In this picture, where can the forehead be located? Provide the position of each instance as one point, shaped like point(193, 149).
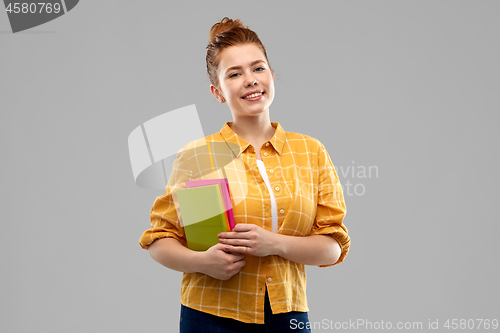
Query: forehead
point(240, 55)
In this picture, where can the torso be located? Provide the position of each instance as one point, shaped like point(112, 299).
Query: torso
point(257, 145)
point(257, 154)
point(257, 150)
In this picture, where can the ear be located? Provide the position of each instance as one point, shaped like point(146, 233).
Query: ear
point(217, 93)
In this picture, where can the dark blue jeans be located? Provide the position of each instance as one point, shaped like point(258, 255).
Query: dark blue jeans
point(194, 321)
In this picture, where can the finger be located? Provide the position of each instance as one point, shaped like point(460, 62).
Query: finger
point(228, 250)
point(238, 250)
point(220, 246)
point(236, 256)
point(242, 227)
point(237, 266)
point(240, 264)
point(236, 242)
point(239, 257)
point(232, 235)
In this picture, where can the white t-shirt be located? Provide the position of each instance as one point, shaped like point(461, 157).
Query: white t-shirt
point(274, 209)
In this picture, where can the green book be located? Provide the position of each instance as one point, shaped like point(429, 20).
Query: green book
point(202, 213)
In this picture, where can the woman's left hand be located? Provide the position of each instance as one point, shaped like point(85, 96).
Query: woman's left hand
point(251, 239)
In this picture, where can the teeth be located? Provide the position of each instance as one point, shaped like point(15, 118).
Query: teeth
point(253, 95)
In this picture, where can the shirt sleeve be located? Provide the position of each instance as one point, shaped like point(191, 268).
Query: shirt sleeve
point(331, 208)
point(164, 213)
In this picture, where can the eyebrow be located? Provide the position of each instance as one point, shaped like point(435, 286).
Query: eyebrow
point(238, 67)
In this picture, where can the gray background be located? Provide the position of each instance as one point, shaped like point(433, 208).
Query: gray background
point(410, 87)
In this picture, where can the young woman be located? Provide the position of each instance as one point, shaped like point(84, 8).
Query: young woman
point(291, 214)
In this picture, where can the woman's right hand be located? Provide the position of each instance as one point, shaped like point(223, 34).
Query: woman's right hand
point(220, 264)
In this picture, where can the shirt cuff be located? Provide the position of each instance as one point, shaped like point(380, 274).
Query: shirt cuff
point(149, 237)
point(341, 237)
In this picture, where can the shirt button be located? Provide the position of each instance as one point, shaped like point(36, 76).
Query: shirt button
point(267, 144)
point(271, 171)
point(265, 154)
point(270, 280)
point(282, 211)
point(277, 188)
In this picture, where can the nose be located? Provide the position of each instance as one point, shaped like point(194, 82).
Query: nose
point(251, 81)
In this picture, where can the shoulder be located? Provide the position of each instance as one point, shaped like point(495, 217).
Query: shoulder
point(298, 140)
point(199, 145)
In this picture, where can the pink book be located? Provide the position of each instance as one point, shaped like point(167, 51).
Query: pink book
point(224, 184)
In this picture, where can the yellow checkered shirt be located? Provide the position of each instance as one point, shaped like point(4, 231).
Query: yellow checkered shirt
point(309, 200)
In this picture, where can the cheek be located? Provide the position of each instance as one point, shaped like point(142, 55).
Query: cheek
point(231, 91)
point(270, 84)
point(268, 81)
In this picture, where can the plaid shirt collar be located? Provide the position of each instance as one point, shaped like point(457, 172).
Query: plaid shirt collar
point(277, 141)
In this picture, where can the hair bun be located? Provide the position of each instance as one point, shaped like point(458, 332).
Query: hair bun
point(224, 34)
point(224, 25)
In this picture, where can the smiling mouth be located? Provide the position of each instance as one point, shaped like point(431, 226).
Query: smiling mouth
point(253, 95)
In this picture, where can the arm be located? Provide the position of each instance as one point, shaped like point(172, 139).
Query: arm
point(331, 208)
point(254, 240)
point(214, 262)
point(310, 250)
point(166, 241)
point(328, 243)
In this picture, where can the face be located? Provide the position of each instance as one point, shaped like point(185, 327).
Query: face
point(243, 69)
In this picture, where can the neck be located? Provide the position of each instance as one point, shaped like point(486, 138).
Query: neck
point(253, 129)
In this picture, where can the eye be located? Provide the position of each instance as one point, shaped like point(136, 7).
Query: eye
point(260, 69)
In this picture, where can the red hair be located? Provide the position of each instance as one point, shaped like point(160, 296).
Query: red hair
point(224, 34)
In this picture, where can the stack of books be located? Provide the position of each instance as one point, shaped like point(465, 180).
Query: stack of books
point(206, 211)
